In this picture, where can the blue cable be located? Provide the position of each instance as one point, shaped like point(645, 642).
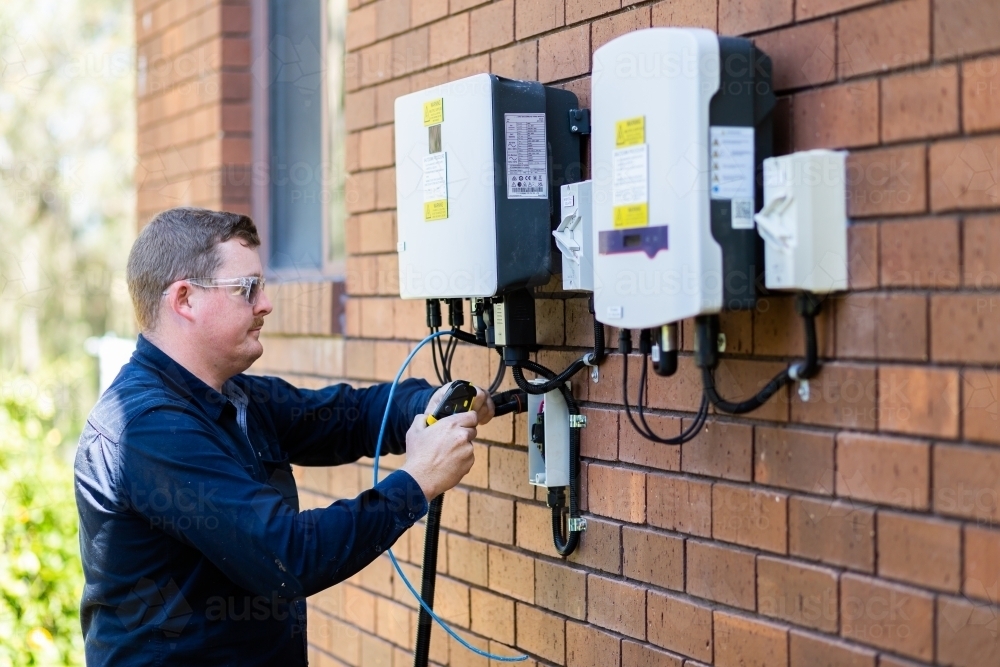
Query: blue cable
point(392, 557)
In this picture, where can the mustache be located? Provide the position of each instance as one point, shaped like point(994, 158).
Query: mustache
point(258, 322)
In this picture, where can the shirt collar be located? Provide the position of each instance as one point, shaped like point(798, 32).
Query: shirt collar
point(180, 379)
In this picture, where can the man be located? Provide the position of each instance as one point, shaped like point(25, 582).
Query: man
point(194, 549)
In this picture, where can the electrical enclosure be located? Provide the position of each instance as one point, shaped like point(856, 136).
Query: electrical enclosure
point(804, 222)
point(479, 162)
point(574, 237)
point(681, 121)
point(552, 468)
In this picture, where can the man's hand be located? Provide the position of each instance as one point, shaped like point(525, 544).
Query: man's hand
point(482, 404)
point(439, 456)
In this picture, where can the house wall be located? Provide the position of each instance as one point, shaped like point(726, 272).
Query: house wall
point(858, 528)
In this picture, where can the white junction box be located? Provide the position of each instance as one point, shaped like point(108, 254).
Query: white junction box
point(476, 160)
point(804, 221)
point(551, 468)
point(574, 236)
point(676, 142)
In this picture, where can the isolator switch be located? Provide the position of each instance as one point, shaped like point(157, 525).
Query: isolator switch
point(548, 455)
point(804, 222)
point(574, 237)
point(479, 163)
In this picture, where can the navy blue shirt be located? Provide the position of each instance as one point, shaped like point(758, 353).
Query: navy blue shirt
point(194, 548)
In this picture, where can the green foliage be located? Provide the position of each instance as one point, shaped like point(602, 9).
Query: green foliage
point(41, 580)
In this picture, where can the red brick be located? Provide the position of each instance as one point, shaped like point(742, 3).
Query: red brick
point(600, 546)
point(589, 647)
point(887, 616)
point(919, 400)
point(980, 93)
point(920, 253)
point(392, 621)
point(679, 624)
point(541, 633)
point(564, 54)
point(746, 642)
point(516, 62)
point(919, 551)
point(359, 608)
point(491, 517)
point(492, 616)
point(561, 589)
point(374, 651)
point(778, 330)
point(980, 400)
point(965, 327)
point(901, 330)
point(512, 574)
point(461, 5)
point(807, 650)
point(635, 654)
point(738, 18)
point(807, 9)
point(535, 16)
point(509, 472)
point(449, 39)
point(359, 192)
point(410, 51)
point(392, 17)
point(967, 483)
point(720, 450)
point(680, 392)
point(885, 37)
point(633, 448)
point(653, 558)
point(892, 471)
point(680, 504)
point(377, 148)
point(803, 55)
point(841, 116)
point(920, 104)
point(981, 252)
point(964, 27)
point(841, 395)
point(982, 567)
point(801, 594)
point(604, 30)
point(578, 10)
point(599, 440)
point(892, 661)
point(492, 26)
point(617, 493)
point(738, 379)
point(887, 181)
point(425, 11)
point(964, 173)
point(360, 28)
point(862, 256)
point(467, 559)
point(616, 606)
point(832, 532)
point(721, 574)
point(750, 517)
point(966, 633)
point(671, 13)
point(794, 459)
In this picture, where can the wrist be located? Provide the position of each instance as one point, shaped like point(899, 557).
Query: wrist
point(423, 480)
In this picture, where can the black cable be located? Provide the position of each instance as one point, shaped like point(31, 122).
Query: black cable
point(434, 355)
point(647, 432)
point(498, 378)
point(428, 580)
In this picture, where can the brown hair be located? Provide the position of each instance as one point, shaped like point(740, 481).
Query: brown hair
point(179, 243)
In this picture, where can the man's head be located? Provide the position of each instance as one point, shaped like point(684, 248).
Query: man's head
point(173, 264)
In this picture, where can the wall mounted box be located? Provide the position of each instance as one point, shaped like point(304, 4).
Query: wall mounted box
point(681, 121)
point(574, 236)
point(479, 162)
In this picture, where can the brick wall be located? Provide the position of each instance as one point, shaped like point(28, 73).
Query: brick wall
point(857, 528)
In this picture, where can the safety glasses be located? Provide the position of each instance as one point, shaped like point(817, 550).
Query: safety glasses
point(249, 287)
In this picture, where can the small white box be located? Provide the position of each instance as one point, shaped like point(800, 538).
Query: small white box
point(804, 222)
point(574, 237)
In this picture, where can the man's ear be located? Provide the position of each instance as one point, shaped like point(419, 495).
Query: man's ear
point(179, 301)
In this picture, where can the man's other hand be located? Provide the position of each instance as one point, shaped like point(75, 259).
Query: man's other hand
point(482, 404)
point(439, 456)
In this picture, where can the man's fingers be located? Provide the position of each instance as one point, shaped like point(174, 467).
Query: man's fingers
point(463, 419)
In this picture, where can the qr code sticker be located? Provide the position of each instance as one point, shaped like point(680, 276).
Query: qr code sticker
point(742, 214)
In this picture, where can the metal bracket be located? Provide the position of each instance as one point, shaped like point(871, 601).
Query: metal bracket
point(577, 524)
point(577, 421)
point(579, 121)
point(721, 342)
point(804, 390)
point(595, 374)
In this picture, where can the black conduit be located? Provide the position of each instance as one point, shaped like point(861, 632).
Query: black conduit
point(428, 580)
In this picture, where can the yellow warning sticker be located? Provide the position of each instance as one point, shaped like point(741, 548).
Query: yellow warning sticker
point(434, 112)
point(631, 215)
point(629, 132)
point(435, 210)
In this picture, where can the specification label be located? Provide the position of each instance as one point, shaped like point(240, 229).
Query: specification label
point(731, 154)
point(527, 171)
point(436, 186)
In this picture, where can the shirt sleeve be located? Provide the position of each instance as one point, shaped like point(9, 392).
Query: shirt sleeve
point(337, 424)
point(179, 477)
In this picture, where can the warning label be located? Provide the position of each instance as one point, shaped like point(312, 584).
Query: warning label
point(630, 186)
point(731, 154)
point(527, 171)
point(436, 186)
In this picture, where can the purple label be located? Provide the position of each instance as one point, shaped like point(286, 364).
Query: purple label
point(649, 240)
